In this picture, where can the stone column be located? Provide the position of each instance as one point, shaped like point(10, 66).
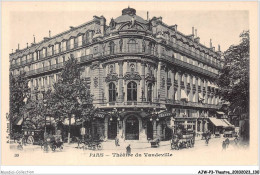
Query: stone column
point(206, 88)
point(143, 81)
point(196, 126)
point(206, 126)
point(201, 126)
point(197, 89)
point(185, 83)
point(159, 130)
point(158, 79)
point(155, 86)
point(179, 86)
point(154, 129)
point(172, 87)
point(191, 92)
point(120, 82)
point(106, 128)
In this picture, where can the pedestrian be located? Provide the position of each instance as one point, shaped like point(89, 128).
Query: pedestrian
point(227, 142)
point(207, 140)
point(223, 145)
point(117, 141)
point(128, 149)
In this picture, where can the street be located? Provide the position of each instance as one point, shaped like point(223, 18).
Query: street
point(72, 155)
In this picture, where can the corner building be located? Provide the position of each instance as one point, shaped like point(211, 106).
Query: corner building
point(151, 74)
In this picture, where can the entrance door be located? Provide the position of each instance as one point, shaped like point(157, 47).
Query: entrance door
point(132, 128)
point(168, 133)
point(112, 129)
point(149, 130)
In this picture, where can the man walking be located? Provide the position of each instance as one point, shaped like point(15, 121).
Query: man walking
point(117, 141)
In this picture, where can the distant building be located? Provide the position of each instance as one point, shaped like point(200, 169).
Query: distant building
point(148, 71)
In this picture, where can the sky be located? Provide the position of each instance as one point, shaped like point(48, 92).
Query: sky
point(222, 26)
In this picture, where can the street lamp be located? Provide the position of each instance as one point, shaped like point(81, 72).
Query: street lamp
point(45, 109)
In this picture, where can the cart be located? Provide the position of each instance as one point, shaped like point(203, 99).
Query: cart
point(217, 134)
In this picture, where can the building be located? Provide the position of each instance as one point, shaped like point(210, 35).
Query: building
point(146, 71)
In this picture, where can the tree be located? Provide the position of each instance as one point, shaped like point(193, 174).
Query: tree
point(234, 77)
point(19, 91)
point(70, 93)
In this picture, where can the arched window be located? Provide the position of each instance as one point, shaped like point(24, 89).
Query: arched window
point(149, 92)
point(150, 48)
point(112, 92)
point(132, 46)
point(111, 47)
point(132, 91)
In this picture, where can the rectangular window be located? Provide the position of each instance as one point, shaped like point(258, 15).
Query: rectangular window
point(76, 42)
point(80, 40)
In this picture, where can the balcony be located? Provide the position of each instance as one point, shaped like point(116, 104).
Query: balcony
point(192, 104)
point(45, 69)
point(198, 57)
point(129, 104)
point(128, 51)
point(189, 66)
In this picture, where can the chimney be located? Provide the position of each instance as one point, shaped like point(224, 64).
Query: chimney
point(49, 33)
point(196, 33)
point(33, 39)
point(27, 45)
point(219, 48)
point(193, 31)
point(210, 43)
point(18, 46)
point(147, 15)
point(197, 39)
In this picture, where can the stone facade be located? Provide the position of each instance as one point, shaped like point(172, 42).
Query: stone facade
point(141, 68)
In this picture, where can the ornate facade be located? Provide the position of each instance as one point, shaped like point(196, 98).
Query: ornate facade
point(151, 74)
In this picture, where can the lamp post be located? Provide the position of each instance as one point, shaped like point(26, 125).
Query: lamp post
point(45, 109)
point(154, 118)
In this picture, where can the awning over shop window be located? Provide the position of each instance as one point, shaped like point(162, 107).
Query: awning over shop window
point(184, 95)
point(229, 124)
point(220, 112)
point(218, 122)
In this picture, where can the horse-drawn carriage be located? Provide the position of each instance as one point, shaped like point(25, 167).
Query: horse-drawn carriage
point(183, 138)
point(206, 135)
point(92, 145)
point(155, 143)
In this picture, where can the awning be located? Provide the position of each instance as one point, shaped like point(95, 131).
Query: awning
point(220, 112)
point(227, 122)
point(218, 122)
point(183, 95)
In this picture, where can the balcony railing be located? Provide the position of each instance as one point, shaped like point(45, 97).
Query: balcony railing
point(189, 66)
point(44, 69)
point(133, 50)
point(130, 104)
point(193, 53)
point(192, 104)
